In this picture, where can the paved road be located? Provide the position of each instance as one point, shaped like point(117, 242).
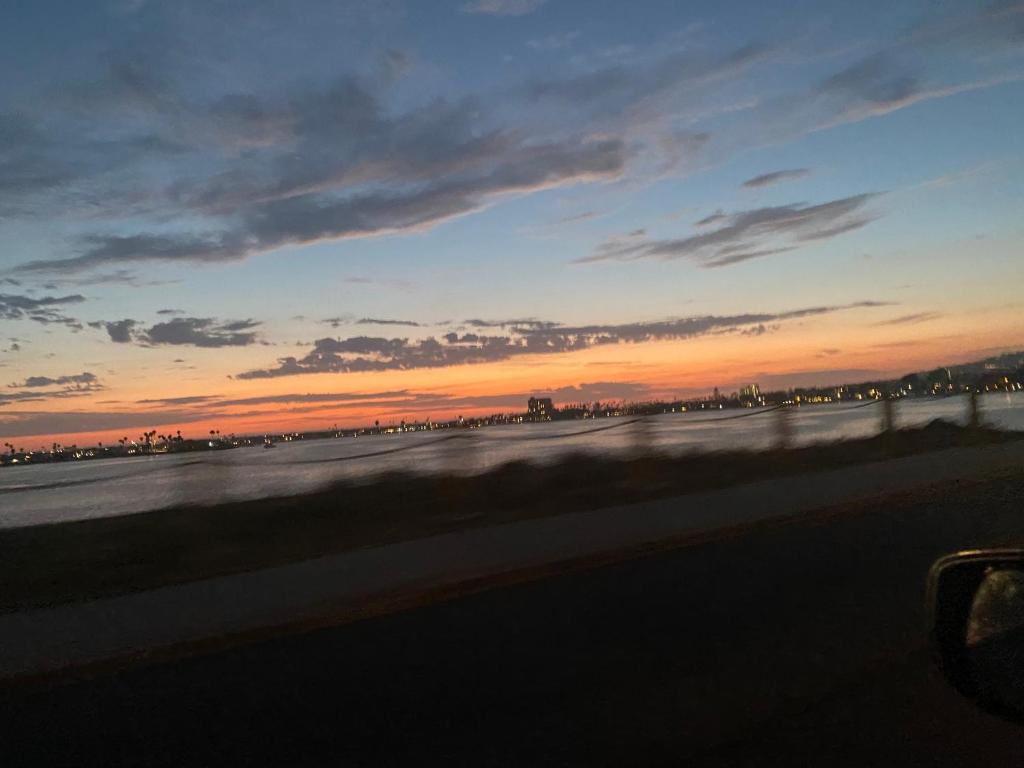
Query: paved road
point(801, 644)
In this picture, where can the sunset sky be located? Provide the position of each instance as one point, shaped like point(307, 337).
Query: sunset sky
point(263, 215)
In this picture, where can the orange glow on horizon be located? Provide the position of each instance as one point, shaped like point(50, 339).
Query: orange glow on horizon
point(660, 369)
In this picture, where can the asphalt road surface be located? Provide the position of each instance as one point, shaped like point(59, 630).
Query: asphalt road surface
point(802, 644)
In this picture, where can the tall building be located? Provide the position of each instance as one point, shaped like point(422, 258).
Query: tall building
point(540, 408)
point(752, 391)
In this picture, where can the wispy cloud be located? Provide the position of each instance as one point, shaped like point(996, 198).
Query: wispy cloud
point(747, 234)
point(45, 310)
point(775, 177)
point(366, 353)
point(42, 388)
point(258, 170)
point(912, 319)
point(49, 381)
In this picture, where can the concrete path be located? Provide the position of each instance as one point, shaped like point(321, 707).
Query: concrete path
point(47, 641)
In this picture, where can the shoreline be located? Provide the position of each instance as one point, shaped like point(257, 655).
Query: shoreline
point(58, 563)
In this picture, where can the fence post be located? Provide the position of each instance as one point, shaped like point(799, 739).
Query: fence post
point(641, 434)
point(973, 410)
point(783, 428)
point(888, 415)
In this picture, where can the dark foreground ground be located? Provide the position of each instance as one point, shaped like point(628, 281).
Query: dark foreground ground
point(795, 645)
point(67, 562)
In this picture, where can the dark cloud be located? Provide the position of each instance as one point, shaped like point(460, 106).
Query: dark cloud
point(747, 234)
point(338, 320)
point(768, 179)
point(183, 331)
point(378, 321)
point(41, 388)
point(47, 381)
point(626, 86)
point(200, 332)
point(44, 310)
point(218, 175)
point(309, 217)
point(713, 218)
point(875, 86)
point(120, 331)
point(875, 79)
point(170, 312)
point(364, 353)
point(503, 7)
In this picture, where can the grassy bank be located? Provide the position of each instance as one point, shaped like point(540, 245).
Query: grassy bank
point(51, 564)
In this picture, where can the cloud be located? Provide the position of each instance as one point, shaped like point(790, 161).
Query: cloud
point(170, 312)
point(877, 85)
point(46, 381)
point(183, 331)
point(366, 353)
point(117, 277)
point(379, 321)
point(201, 332)
point(768, 179)
point(44, 310)
point(41, 388)
point(503, 7)
point(747, 234)
point(306, 218)
point(680, 71)
point(120, 331)
point(913, 319)
point(338, 320)
point(15, 307)
point(213, 171)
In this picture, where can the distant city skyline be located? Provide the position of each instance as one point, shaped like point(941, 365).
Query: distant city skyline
point(234, 216)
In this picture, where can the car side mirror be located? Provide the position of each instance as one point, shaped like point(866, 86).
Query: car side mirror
point(976, 615)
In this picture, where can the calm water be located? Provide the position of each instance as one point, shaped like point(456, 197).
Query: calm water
point(55, 492)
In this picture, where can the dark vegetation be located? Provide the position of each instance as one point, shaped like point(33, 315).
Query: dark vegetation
point(51, 564)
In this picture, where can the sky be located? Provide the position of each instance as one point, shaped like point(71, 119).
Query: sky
point(260, 216)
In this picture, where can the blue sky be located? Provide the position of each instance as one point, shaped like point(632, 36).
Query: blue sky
point(236, 185)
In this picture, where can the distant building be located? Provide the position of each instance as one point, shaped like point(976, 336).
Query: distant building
point(750, 396)
point(540, 408)
point(753, 392)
